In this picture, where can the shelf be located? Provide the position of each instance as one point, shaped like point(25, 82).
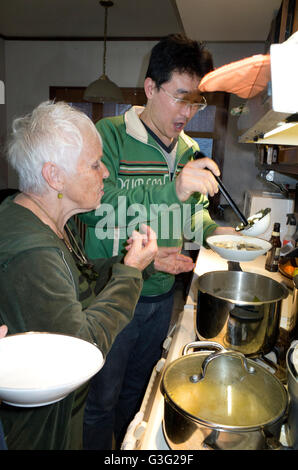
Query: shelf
point(289, 168)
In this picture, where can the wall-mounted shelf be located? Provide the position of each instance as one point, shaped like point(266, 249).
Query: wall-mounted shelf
point(289, 168)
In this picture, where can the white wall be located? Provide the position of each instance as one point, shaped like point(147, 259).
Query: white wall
point(33, 66)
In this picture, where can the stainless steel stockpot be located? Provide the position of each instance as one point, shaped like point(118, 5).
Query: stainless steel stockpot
point(221, 400)
point(239, 310)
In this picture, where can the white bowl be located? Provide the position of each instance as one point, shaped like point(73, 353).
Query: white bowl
point(235, 254)
point(41, 368)
point(259, 227)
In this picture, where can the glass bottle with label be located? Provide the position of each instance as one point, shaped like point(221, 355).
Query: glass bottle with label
point(272, 259)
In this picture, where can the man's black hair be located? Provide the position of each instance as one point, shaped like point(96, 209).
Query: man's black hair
point(177, 53)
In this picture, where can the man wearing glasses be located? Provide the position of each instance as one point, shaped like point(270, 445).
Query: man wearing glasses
point(149, 159)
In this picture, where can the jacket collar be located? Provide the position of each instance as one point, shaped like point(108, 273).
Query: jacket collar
point(136, 129)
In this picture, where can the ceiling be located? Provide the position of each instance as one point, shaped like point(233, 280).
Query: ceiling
point(207, 20)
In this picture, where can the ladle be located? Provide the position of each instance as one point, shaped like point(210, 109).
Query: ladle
point(224, 192)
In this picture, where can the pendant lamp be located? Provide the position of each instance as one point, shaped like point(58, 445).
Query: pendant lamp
point(103, 89)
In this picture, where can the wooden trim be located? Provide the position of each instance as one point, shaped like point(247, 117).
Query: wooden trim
point(288, 168)
point(295, 21)
point(283, 22)
point(112, 38)
point(80, 38)
point(69, 93)
point(134, 96)
point(75, 94)
point(289, 19)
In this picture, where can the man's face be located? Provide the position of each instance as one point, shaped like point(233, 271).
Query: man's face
point(168, 118)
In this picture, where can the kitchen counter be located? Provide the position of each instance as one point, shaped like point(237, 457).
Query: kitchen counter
point(145, 431)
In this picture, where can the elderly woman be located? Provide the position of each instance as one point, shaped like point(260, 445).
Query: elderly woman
point(3, 332)
point(46, 282)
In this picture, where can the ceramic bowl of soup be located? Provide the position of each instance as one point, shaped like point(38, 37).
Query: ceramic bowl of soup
point(238, 247)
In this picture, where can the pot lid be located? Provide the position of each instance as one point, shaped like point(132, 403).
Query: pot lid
point(228, 395)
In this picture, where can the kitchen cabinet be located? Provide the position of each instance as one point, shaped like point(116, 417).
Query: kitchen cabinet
point(288, 19)
point(284, 24)
point(287, 161)
point(288, 168)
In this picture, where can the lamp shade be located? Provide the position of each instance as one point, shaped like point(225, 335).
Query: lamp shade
point(103, 90)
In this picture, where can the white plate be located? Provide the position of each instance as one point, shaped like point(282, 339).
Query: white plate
point(234, 254)
point(41, 368)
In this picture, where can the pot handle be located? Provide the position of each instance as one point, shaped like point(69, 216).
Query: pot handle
point(272, 442)
point(226, 352)
point(202, 345)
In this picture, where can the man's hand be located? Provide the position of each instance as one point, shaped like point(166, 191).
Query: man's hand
point(225, 231)
point(170, 260)
point(197, 176)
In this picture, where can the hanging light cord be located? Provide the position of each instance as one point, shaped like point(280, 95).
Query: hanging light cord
point(105, 40)
point(106, 4)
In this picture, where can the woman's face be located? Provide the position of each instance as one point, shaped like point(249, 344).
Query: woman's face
point(85, 187)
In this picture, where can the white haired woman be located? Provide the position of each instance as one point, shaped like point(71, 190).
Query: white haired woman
point(46, 282)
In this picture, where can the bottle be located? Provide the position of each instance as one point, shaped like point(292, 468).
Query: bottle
point(272, 259)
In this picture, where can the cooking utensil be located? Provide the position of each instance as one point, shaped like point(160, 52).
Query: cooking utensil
point(235, 405)
point(224, 191)
point(37, 369)
point(237, 247)
point(292, 367)
point(239, 310)
point(258, 224)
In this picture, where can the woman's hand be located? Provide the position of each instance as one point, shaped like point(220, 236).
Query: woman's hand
point(170, 260)
point(141, 249)
point(3, 331)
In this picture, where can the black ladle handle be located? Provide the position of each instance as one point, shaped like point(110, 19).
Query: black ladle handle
point(197, 156)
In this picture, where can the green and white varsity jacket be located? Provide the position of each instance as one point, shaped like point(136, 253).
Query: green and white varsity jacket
point(140, 189)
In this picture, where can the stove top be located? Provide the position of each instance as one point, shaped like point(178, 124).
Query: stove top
point(146, 431)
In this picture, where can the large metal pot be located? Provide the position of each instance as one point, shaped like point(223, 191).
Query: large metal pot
point(292, 367)
point(239, 310)
point(221, 401)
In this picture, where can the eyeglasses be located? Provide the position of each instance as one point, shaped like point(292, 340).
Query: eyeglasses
point(179, 101)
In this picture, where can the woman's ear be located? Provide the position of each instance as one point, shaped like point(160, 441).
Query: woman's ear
point(53, 175)
point(149, 87)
